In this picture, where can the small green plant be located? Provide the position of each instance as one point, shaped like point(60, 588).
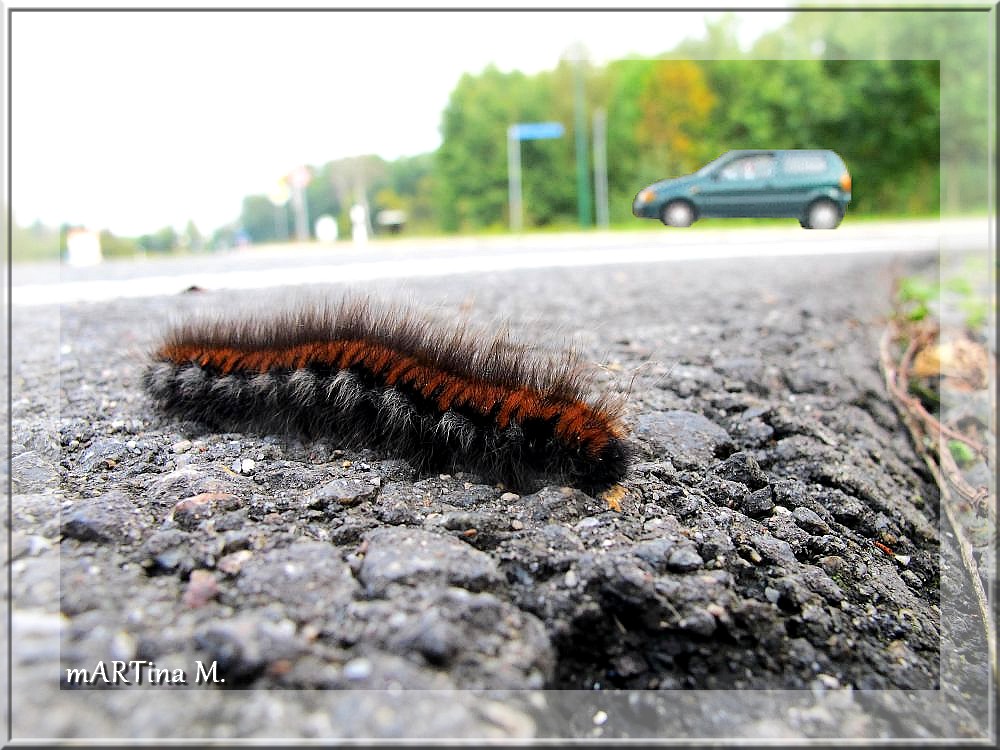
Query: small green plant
point(915, 296)
point(959, 286)
point(976, 311)
point(963, 454)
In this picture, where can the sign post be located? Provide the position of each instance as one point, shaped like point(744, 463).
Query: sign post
point(524, 131)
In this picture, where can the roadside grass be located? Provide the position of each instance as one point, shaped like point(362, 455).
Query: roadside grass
point(42, 244)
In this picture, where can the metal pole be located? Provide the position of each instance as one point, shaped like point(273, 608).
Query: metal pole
point(601, 167)
point(583, 201)
point(514, 178)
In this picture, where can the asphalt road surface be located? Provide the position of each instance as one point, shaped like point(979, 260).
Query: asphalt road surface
point(346, 262)
point(778, 568)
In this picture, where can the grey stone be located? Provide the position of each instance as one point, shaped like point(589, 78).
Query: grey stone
point(244, 646)
point(191, 511)
point(33, 472)
point(102, 454)
point(810, 521)
point(110, 518)
point(774, 550)
point(656, 552)
point(309, 578)
point(758, 504)
point(684, 558)
point(418, 557)
point(342, 492)
point(742, 467)
point(689, 440)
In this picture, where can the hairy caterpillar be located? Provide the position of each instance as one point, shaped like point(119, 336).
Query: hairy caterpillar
point(387, 379)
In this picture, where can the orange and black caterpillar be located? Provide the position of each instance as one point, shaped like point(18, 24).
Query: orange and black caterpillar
point(386, 379)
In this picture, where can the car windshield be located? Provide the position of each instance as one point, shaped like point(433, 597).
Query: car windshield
point(711, 165)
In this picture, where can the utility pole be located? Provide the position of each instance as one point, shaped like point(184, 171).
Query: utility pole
point(601, 167)
point(583, 201)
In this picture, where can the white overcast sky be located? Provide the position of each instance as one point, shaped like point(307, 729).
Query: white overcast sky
point(131, 121)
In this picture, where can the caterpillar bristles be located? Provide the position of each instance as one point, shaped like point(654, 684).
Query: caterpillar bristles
point(397, 382)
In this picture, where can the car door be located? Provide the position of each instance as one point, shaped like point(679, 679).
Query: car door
point(740, 187)
point(800, 175)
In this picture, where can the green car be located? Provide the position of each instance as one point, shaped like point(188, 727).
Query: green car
point(810, 185)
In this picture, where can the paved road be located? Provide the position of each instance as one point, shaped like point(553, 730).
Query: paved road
point(741, 578)
point(287, 265)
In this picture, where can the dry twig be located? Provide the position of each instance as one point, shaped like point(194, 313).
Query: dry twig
point(946, 473)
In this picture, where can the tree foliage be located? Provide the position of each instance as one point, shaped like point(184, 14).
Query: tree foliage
point(674, 105)
point(911, 130)
point(844, 80)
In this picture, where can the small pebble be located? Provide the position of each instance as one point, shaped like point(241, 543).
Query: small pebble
point(516, 525)
point(809, 521)
point(683, 559)
point(570, 579)
point(357, 669)
point(201, 589)
point(509, 497)
point(911, 578)
point(123, 646)
point(829, 681)
point(233, 562)
point(181, 446)
point(600, 718)
point(344, 492)
point(716, 610)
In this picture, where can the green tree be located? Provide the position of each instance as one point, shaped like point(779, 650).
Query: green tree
point(960, 39)
point(113, 246)
point(260, 219)
point(34, 242)
point(470, 169)
point(674, 104)
point(161, 241)
point(191, 238)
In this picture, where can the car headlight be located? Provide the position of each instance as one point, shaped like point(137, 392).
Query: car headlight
point(647, 196)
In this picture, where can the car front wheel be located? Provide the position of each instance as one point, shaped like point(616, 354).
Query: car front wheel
point(822, 215)
point(677, 214)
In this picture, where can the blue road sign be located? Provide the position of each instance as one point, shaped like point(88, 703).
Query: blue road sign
point(531, 131)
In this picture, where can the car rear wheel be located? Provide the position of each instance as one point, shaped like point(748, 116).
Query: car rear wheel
point(822, 215)
point(677, 214)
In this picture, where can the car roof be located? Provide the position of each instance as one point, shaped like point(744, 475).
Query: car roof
point(753, 151)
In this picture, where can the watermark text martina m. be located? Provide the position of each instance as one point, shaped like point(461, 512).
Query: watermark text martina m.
point(141, 672)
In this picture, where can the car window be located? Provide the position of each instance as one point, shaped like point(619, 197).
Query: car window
point(748, 168)
point(804, 163)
